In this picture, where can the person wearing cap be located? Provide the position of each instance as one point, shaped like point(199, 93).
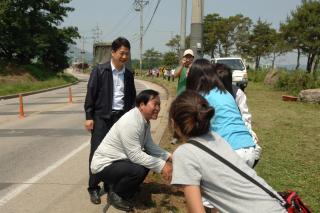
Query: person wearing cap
point(182, 70)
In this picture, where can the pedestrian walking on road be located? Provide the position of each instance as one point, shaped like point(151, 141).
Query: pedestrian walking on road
point(111, 93)
point(127, 153)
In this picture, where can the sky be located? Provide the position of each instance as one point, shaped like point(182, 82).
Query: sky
point(118, 18)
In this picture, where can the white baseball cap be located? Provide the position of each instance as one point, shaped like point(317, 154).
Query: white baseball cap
point(188, 52)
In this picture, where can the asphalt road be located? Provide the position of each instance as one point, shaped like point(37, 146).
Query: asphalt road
point(50, 134)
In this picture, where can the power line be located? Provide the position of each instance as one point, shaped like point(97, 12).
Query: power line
point(154, 12)
point(148, 11)
point(115, 28)
point(124, 27)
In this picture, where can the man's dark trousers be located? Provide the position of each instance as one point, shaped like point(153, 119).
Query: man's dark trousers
point(100, 129)
point(124, 176)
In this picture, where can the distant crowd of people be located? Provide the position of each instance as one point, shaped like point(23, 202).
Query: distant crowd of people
point(208, 111)
point(162, 72)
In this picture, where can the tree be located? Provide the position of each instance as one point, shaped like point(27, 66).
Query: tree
point(29, 30)
point(174, 44)
point(290, 35)
point(223, 35)
point(260, 42)
point(54, 56)
point(303, 31)
point(210, 38)
point(170, 59)
point(278, 46)
point(152, 58)
point(242, 34)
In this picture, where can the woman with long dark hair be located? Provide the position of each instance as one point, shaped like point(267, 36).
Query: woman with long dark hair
point(202, 175)
point(227, 121)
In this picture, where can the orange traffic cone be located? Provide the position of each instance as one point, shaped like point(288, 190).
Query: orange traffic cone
point(21, 112)
point(70, 95)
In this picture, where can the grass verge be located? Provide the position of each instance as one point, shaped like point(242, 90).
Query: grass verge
point(289, 135)
point(30, 78)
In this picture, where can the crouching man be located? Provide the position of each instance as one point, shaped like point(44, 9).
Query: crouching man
point(127, 153)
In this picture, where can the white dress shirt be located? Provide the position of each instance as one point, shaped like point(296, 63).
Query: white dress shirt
point(129, 138)
point(118, 87)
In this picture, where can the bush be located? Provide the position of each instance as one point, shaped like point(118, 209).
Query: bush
point(38, 71)
point(295, 81)
point(257, 75)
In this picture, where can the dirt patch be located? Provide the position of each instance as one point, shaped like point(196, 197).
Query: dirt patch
point(158, 196)
point(16, 79)
point(15, 75)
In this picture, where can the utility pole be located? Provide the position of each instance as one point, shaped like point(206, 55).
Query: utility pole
point(139, 5)
point(82, 52)
point(196, 35)
point(97, 32)
point(183, 26)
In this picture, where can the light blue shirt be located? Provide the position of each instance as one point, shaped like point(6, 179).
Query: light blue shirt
point(227, 121)
point(118, 87)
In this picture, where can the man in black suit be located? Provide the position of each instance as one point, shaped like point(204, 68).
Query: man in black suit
point(111, 93)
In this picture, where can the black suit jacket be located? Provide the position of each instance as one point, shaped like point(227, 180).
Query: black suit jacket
point(99, 96)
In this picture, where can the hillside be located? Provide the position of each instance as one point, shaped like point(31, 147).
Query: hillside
point(20, 79)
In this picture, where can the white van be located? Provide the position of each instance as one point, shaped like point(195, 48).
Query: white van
point(239, 70)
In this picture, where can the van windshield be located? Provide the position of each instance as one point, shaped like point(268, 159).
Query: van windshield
point(233, 64)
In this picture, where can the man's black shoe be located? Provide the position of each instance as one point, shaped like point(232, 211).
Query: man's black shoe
point(95, 196)
point(117, 202)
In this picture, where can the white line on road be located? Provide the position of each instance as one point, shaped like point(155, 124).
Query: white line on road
point(26, 184)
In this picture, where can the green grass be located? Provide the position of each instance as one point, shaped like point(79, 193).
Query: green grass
point(289, 133)
point(15, 88)
point(27, 78)
point(291, 82)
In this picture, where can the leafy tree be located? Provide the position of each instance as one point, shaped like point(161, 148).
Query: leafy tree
point(152, 58)
point(278, 46)
point(135, 63)
point(302, 31)
point(174, 44)
point(54, 56)
point(224, 35)
point(291, 37)
point(210, 38)
point(242, 34)
point(170, 59)
point(29, 30)
point(260, 42)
